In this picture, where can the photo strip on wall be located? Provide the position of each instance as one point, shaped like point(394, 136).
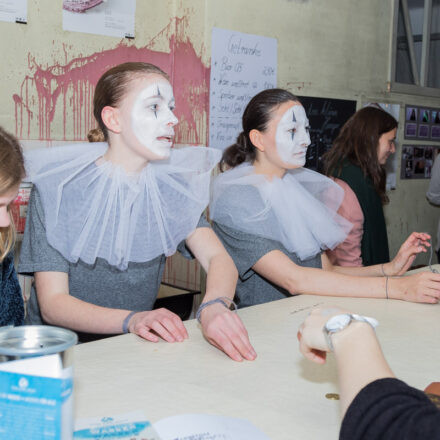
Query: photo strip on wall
point(422, 123)
point(417, 161)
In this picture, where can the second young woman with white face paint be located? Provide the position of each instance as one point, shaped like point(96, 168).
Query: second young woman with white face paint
point(103, 217)
point(275, 218)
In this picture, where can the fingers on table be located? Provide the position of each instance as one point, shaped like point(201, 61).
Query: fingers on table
point(164, 323)
point(230, 335)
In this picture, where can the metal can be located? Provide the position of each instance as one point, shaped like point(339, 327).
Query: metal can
point(37, 340)
point(36, 382)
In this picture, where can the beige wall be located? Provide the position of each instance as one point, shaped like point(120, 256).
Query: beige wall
point(337, 48)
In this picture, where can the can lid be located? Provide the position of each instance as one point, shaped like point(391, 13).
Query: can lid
point(35, 340)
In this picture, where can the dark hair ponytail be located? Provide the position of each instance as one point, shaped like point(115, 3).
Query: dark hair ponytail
point(256, 116)
point(241, 151)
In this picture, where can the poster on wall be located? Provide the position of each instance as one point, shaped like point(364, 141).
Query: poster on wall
point(114, 18)
point(14, 11)
point(326, 117)
point(422, 123)
point(241, 66)
point(391, 165)
point(417, 161)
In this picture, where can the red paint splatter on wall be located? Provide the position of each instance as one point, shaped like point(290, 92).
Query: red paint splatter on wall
point(63, 93)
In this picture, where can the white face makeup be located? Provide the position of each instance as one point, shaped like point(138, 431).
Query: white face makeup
point(152, 118)
point(292, 136)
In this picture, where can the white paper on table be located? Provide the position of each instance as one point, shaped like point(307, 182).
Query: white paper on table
point(241, 66)
point(13, 10)
point(130, 426)
point(114, 18)
point(207, 427)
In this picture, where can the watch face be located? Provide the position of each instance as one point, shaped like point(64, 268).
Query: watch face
point(338, 322)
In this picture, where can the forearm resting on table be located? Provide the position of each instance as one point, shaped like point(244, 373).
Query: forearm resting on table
point(359, 360)
point(363, 271)
point(221, 328)
point(377, 270)
point(278, 268)
point(57, 307)
point(221, 278)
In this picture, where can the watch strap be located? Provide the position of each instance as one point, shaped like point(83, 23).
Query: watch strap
point(353, 317)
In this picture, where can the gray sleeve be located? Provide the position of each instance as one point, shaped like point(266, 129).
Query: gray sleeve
point(36, 254)
point(433, 193)
point(183, 248)
point(245, 249)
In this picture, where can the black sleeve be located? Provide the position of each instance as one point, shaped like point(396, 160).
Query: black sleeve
point(389, 409)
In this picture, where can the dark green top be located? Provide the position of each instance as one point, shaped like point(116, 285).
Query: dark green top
point(374, 244)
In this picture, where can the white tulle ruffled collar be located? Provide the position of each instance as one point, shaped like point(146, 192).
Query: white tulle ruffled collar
point(94, 209)
point(298, 210)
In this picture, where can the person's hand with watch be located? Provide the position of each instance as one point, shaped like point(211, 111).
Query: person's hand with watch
point(375, 405)
point(352, 338)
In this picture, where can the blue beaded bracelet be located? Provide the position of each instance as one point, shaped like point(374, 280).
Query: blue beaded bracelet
point(126, 321)
point(222, 300)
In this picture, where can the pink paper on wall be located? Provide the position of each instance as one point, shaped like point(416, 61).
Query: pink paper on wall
point(80, 5)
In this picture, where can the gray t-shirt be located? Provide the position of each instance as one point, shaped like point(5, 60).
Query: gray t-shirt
point(246, 249)
point(133, 289)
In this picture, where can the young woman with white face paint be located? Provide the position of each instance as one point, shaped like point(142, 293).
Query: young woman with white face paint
point(275, 218)
point(104, 216)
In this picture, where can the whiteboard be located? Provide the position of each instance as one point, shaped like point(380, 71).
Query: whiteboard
point(241, 66)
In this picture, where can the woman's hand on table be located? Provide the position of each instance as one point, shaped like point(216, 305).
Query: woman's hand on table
point(224, 329)
point(422, 287)
point(416, 243)
point(160, 322)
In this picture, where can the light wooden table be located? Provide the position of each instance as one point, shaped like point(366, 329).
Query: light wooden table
point(280, 392)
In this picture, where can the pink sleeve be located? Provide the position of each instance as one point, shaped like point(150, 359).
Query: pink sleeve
point(348, 253)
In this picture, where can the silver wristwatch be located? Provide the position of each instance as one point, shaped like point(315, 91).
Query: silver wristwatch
point(340, 322)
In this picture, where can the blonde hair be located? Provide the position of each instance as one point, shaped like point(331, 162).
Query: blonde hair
point(11, 173)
